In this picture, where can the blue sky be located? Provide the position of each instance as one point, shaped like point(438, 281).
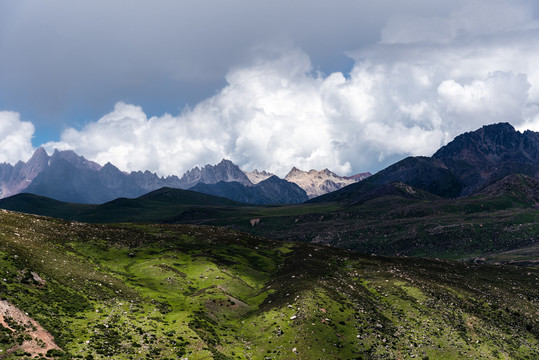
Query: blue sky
point(347, 85)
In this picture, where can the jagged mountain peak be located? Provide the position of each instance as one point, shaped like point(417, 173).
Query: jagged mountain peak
point(109, 167)
point(74, 159)
point(225, 162)
point(256, 176)
point(263, 172)
point(40, 153)
point(225, 171)
point(40, 157)
point(293, 171)
point(317, 183)
point(491, 144)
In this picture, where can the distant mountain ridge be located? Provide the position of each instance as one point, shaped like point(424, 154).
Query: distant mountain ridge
point(68, 177)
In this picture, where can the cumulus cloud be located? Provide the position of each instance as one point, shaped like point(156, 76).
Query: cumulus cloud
point(428, 80)
point(280, 113)
point(15, 137)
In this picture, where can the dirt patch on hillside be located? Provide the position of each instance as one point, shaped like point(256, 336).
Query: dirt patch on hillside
point(37, 340)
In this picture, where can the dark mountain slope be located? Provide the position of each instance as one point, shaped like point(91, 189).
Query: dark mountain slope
point(482, 157)
point(522, 188)
point(421, 172)
point(186, 197)
point(463, 167)
point(270, 191)
point(395, 189)
point(279, 191)
point(41, 205)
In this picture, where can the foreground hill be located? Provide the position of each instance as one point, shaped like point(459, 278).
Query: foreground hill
point(184, 291)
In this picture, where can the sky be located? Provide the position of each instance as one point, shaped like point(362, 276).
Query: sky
point(349, 85)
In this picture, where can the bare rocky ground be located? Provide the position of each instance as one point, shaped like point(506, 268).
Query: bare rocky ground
point(36, 340)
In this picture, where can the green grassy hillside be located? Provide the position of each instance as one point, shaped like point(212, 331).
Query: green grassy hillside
point(197, 292)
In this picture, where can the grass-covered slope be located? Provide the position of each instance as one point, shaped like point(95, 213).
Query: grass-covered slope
point(196, 292)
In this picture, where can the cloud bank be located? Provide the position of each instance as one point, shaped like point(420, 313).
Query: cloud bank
point(279, 113)
point(428, 79)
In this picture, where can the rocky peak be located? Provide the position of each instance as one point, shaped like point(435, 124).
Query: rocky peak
point(225, 171)
point(225, 163)
point(80, 162)
point(263, 173)
point(491, 144)
point(317, 183)
point(37, 163)
point(257, 176)
point(39, 156)
point(109, 170)
point(293, 172)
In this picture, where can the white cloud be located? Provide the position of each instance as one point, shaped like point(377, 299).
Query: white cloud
point(15, 137)
point(430, 79)
point(498, 97)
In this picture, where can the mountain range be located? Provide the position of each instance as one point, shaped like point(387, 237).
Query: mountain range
point(417, 207)
point(68, 177)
